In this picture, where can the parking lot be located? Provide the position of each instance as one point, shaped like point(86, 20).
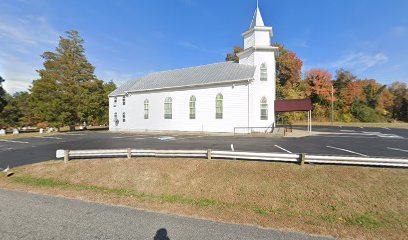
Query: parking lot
point(370, 142)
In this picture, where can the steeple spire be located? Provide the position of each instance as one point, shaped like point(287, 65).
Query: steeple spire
point(257, 20)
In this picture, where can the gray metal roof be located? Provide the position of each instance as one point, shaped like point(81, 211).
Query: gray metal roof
point(201, 75)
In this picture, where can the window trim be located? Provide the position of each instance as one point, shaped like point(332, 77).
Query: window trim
point(146, 108)
point(192, 107)
point(168, 108)
point(264, 72)
point(115, 119)
point(264, 108)
point(219, 110)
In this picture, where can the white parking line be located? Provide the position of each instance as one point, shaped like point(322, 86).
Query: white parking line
point(50, 137)
point(398, 149)
point(372, 133)
point(347, 130)
point(6, 149)
point(283, 149)
point(166, 138)
point(190, 137)
point(128, 136)
point(13, 141)
point(386, 128)
point(133, 137)
point(342, 149)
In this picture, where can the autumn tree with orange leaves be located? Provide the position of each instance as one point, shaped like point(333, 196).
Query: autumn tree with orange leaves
point(289, 84)
point(320, 82)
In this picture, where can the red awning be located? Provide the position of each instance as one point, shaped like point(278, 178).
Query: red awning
point(293, 105)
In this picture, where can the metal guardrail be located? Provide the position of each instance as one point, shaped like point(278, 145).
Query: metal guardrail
point(252, 130)
point(211, 154)
point(392, 162)
point(256, 156)
point(69, 154)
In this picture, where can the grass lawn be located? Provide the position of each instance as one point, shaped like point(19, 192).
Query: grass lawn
point(345, 202)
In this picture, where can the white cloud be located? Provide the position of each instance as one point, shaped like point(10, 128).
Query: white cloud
point(125, 43)
point(399, 31)
point(301, 43)
point(356, 61)
point(187, 44)
point(23, 39)
point(115, 76)
point(18, 73)
point(360, 60)
point(118, 78)
point(28, 30)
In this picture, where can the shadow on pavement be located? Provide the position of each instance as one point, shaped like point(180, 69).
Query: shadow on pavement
point(161, 234)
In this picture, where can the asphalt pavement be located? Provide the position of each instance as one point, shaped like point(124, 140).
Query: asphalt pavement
point(346, 141)
point(32, 216)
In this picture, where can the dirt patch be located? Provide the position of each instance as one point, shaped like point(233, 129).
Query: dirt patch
point(346, 202)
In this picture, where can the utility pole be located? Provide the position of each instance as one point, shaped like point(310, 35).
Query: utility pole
point(332, 104)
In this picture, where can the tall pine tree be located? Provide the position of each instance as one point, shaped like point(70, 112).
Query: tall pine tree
point(64, 93)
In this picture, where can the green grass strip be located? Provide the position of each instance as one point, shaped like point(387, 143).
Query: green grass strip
point(360, 220)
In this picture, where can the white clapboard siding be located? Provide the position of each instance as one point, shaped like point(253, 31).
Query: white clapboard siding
point(235, 108)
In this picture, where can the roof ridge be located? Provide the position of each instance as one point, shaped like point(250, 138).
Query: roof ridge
point(183, 68)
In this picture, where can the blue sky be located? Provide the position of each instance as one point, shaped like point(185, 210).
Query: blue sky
point(128, 39)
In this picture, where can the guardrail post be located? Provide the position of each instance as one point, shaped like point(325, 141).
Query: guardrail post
point(302, 159)
point(66, 156)
point(209, 154)
point(129, 153)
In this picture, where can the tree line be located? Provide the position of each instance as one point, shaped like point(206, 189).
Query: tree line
point(353, 99)
point(66, 93)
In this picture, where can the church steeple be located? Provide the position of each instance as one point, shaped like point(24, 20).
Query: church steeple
point(258, 35)
point(259, 52)
point(257, 20)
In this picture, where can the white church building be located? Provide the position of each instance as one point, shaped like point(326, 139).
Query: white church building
point(210, 98)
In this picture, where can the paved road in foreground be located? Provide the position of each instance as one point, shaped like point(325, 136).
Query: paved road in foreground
point(32, 216)
point(372, 142)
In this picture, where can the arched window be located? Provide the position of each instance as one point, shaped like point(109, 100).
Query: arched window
point(123, 117)
point(115, 119)
point(264, 72)
point(192, 107)
point(146, 109)
point(124, 100)
point(168, 108)
point(218, 106)
point(264, 108)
